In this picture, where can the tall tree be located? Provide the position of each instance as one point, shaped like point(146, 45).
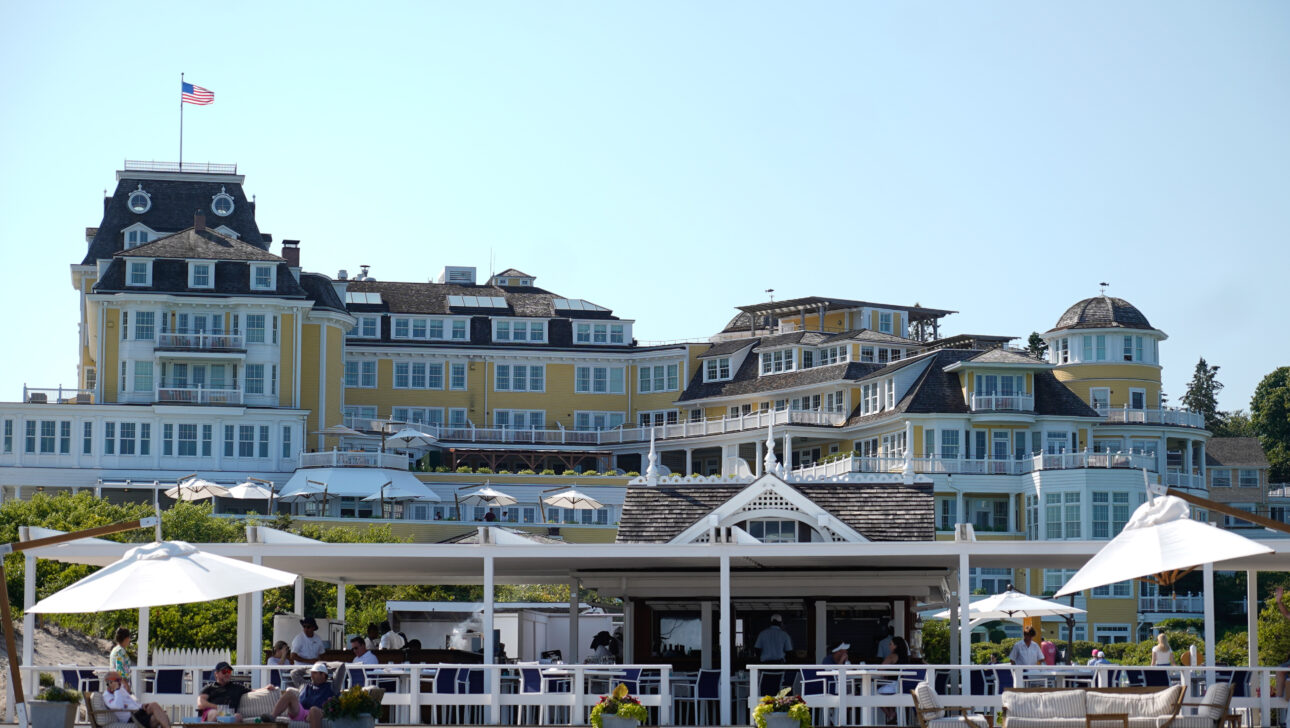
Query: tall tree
point(1235, 423)
point(1036, 346)
point(1202, 393)
point(1270, 413)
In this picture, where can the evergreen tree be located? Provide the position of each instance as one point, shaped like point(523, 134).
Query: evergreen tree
point(1202, 393)
point(1270, 413)
point(1235, 423)
point(1036, 346)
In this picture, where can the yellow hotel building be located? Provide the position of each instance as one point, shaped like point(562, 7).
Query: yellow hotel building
point(205, 350)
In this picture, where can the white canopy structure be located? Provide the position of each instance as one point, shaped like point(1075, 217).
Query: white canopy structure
point(194, 488)
point(354, 483)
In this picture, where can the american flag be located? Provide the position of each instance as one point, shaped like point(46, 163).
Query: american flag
point(191, 94)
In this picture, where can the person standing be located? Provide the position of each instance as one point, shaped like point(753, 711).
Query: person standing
point(1162, 655)
point(373, 636)
point(1027, 650)
point(390, 640)
point(306, 648)
point(119, 658)
point(773, 644)
point(1049, 649)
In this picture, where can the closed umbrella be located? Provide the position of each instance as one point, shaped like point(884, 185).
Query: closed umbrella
point(1160, 543)
point(166, 572)
point(194, 488)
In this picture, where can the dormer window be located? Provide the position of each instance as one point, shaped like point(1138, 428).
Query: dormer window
point(138, 273)
point(222, 204)
point(136, 235)
point(519, 330)
point(227, 231)
point(263, 277)
point(201, 274)
point(773, 362)
point(139, 201)
point(884, 322)
point(716, 370)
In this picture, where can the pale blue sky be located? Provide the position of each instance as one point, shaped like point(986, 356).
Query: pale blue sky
point(673, 160)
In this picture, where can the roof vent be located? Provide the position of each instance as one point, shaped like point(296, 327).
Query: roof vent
point(460, 274)
point(199, 221)
point(343, 275)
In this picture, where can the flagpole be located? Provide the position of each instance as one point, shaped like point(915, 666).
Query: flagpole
point(181, 121)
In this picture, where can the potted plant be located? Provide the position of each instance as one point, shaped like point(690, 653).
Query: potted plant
point(54, 707)
point(618, 710)
point(782, 711)
point(353, 708)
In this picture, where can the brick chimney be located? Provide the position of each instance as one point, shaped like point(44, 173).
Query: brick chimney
point(199, 221)
point(291, 252)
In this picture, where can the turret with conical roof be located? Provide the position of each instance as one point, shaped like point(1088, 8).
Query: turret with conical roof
point(1108, 353)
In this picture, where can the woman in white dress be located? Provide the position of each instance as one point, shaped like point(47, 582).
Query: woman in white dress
point(1161, 655)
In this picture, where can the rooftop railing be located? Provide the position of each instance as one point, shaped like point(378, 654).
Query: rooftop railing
point(199, 341)
point(139, 165)
point(1005, 402)
point(957, 466)
point(341, 459)
point(57, 395)
point(1175, 417)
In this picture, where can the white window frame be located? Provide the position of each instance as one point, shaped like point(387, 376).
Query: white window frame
point(647, 377)
point(585, 420)
point(354, 414)
point(1105, 397)
point(1137, 390)
point(507, 326)
point(1240, 477)
point(510, 378)
point(712, 369)
point(586, 379)
point(510, 414)
point(147, 270)
point(357, 331)
point(601, 333)
point(364, 373)
point(273, 276)
point(886, 322)
point(1107, 633)
point(1220, 477)
point(193, 266)
point(453, 368)
point(141, 233)
point(657, 418)
point(777, 362)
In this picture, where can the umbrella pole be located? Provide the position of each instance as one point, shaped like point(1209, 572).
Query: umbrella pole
point(15, 675)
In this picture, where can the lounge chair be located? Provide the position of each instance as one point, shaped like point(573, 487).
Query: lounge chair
point(101, 716)
point(931, 714)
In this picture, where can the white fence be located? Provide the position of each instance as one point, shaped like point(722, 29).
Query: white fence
point(1061, 461)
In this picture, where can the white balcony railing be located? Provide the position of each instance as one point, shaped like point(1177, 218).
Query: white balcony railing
point(1006, 402)
point(1175, 417)
point(559, 436)
point(199, 395)
point(954, 466)
point(57, 395)
point(200, 341)
point(1184, 480)
point(1178, 603)
point(339, 459)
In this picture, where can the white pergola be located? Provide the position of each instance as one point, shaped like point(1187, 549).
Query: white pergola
point(923, 570)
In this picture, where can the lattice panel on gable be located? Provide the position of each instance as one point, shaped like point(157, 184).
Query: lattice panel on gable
point(702, 538)
point(769, 499)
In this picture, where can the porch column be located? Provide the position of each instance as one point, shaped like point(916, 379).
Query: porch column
point(1187, 462)
point(300, 597)
point(629, 629)
point(340, 600)
point(761, 454)
point(492, 714)
point(1012, 513)
point(1162, 460)
point(1208, 581)
point(705, 629)
point(572, 657)
point(144, 628)
point(965, 631)
point(727, 452)
point(821, 629)
point(257, 630)
point(724, 626)
point(689, 460)
point(1203, 480)
point(1252, 616)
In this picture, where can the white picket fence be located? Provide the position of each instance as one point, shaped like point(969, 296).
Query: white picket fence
point(193, 657)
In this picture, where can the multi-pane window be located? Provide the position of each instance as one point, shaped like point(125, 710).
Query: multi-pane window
point(595, 333)
point(255, 328)
point(262, 277)
point(870, 398)
point(187, 443)
point(358, 417)
point(457, 375)
point(87, 437)
point(990, 580)
point(832, 355)
point(519, 419)
point(1062, 512)
point(1247, 478)
point(946, 513)
point(885, 322)
point(418, 375)
point(1110, 513)
point(1220, 477)
point(519, 378)
point(512, 330)
point(659, 378)
point(418, 415)
point(1118, 590)
point(144, 325)
point(48, 433)
point(435, 329)
point(255, 379)
point(950, 444)
point(777, 361)
point(286, 441)
point(368, 327)
point(1109, 634)
point(656, 418)
point(599, 380)
point(200, 275)
point(360, 373)
point(140, 273)
point(126, 445)
point(1055, 579)
point(715, 370)
point(246, 441)
point(598, 420)
point(1056, 442)
point(142, 376)
point(769, 530)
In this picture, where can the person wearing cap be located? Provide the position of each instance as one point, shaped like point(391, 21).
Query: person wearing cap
point(223, 693)
point(362, 655)
point(123, 705)
point(773, 643)
point(841, 654)
point(306, 704)
point(307, 646)
point(1099, 658)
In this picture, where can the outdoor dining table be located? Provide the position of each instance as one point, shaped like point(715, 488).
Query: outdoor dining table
point(865, 677)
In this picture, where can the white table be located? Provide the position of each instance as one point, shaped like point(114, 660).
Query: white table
point(865, 675)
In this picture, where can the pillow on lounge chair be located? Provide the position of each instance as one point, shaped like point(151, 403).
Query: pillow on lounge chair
point(1046, 704)
point(1217, 696)
point(928, 700)
point(1158, 703)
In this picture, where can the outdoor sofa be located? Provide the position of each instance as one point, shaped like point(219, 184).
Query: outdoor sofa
point(1134, 707)
point(258, 702)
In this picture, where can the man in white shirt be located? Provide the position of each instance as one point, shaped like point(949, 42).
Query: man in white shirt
point(306, 648)
point(391, 640)
point(362, 656)
point(1027, 651)
point(123, 705)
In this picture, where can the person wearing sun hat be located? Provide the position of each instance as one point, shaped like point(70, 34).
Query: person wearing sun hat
point(306, 648)
point(306, 704)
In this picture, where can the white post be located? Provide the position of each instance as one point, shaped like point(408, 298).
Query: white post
point(28, 619)
point(821, 626)
point(257, 632)
point(300, 597)
point(572, 657)
point(705, 629)
point(144, 627)
point(494, 715)
point(340, 603)
point(629, 631)
point(1252, 616)
point(1208, 581)
point(724, 625)
point(965, 631)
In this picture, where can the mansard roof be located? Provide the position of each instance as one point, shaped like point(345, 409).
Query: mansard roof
point(877, 511)
point(747, 381)
point(203, 244)
point(432, 298)
point(174, 202)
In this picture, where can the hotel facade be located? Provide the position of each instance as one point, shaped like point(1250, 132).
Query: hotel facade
point(206, 348)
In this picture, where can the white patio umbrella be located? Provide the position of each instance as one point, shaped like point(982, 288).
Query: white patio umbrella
point(409, 438)
point(573, 499)
point(1160, 542)
point(166, 572)
point(194, 488)
point(1012, 604)
point(487, 497)
point(251, 490)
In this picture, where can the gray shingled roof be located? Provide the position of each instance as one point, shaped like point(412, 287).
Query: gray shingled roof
point(206, 245)
point(173, 204)
point(879, 512)
point(1006, 356)
point(432, 298)
point(747, 381)
point(1235, 452)
point(726, 348)
point(869, 335)
point(1102, 312)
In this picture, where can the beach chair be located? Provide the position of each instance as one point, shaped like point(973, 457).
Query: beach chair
point(100, 716)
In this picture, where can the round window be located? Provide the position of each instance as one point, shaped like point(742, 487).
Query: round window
point(139, 201)
point(222, 204)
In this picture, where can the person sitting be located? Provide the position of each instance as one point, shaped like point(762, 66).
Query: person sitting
point(390, 640)
point(840, 655)
point(373, 636)
point(123, 704)
point(362, 655)
point(223, 693)
point(899, 655)
point(306, 704)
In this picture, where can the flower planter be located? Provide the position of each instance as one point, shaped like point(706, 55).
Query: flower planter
point(51, 713)
point(613, 721)
point(362, 721)
point(780, 720)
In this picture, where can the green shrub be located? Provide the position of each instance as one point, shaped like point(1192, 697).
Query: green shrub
point(465, 469)
point(56, 694)
point(484, 469)
point(590, 472)
point(570, 472)
point(632, 474)
point(46, 680)
point(548, 471)
point(526, 471)
point(501, 471)
point(441, 468)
